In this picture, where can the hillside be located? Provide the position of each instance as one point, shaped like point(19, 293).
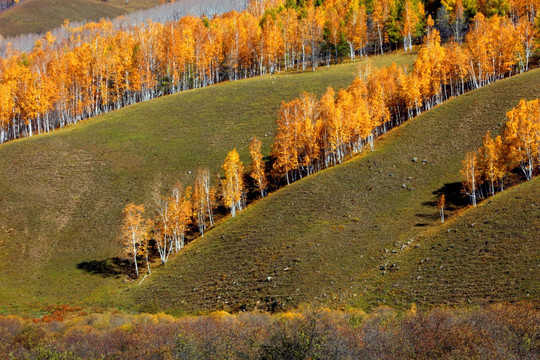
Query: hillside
point(325, 238)
point(491, 253)
point(61, 194)
point(39, 16)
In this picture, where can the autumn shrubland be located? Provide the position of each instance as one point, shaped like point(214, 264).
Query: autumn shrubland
point(498, 331)
point(65, 209)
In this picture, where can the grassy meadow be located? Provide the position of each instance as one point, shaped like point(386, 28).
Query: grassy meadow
point(339, 237)
point(489, 254)
point(62, 193)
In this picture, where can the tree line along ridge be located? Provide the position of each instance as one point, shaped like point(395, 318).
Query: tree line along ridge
point(102, 67)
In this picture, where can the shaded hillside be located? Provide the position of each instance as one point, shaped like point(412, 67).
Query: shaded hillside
point(491, 253)
point(325, 238)
point(40, 16)
point(61, 194)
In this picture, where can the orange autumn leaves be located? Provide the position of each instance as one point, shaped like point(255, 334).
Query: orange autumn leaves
point(185, 210)
point(176, 213)
point(313, 133)
point(99, 67)
point(486, 171)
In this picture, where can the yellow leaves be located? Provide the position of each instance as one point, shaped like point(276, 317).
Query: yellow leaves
point(519, 146)
point(429, 66)
point(296, 141)
point(133, 232)
point(272, 41)
point(470, 176)
point(356, 25)
point(521, 134)
point(291, 315)
point(233, 182)
point(441, 202)
point(180, 209)
point(410, 90)
point(101, 67)
point(492, 47)
point(456, 8)
point(492, 160)
point(413, 309)
point(50, 38)
point(469, 165)
point(412, 15)
point(221, 315)
point(284, 147)
point(127, 327)
point(455, 61)
point(6, 104)
point(333, 25)
point(430, 22)
point(257, 165)
point(313, 133)
point(381, 10)
point(132, 211)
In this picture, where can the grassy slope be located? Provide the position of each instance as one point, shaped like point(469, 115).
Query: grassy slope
point(324, 238)
point(491, 253)
point(61, 194)
point(39, 16)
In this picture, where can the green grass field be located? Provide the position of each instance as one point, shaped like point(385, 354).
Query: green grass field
point(40, 16)
point(61, 194)
point(489, 254)
point(325, 238)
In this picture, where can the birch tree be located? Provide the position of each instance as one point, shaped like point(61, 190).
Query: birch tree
point(521, 135)
point(356, 29)
point(470, 175)
point(441, 203)
point(163, 230)
point(257, 166)
point(133, 231)
point(233, 182)
point(413, 12)
point(204, 198)
point(181, 211)
point(489, 161)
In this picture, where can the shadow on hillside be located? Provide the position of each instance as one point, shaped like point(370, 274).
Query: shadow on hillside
point(105, 268)
point(453, 194)
point(454, 199)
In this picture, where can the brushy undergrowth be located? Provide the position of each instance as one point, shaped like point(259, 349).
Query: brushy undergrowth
point(503, 331)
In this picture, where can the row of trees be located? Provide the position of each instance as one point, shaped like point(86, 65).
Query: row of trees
point(102, 67)
point(189, 209)
point(5, 4)
point(485, 171)
point(313, 133)
point(165, 233)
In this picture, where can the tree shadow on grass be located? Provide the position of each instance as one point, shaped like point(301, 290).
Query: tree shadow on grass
point(106, 268)
point(453, 195)
point(454, 200)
